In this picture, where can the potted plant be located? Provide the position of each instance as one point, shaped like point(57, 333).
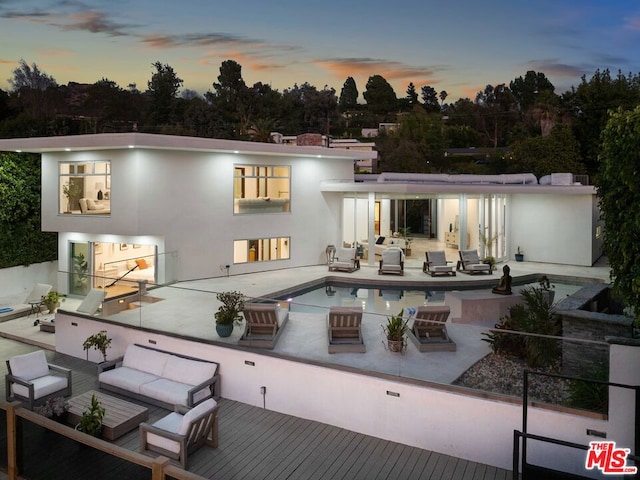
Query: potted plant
point(407, 240)
point(395, 330)
point(99, 341)
point(52, 300)
point(91, 420)
point(547, 288)
point(519, 255)
point(488, 242)
point(229, 312)
point(72, 191)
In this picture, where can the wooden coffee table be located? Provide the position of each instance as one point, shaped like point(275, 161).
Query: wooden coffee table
point(120, 416)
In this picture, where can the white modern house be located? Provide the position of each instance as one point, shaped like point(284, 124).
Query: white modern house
point(196, 208)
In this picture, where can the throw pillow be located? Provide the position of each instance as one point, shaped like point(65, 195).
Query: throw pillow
point(142, 263)
point(380, 240)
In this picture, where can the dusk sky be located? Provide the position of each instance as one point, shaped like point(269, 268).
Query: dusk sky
point(457, 45)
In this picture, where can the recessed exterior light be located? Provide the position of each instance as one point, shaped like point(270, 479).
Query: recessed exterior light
point(131, 146)
point(236, 151)
point(67, 149)
point(18, 151)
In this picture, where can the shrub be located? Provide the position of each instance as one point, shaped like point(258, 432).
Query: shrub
point(535, 316)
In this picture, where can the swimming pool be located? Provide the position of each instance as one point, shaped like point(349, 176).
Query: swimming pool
point(384, 300)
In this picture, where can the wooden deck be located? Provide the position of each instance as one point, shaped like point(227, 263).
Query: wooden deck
point(260, 444)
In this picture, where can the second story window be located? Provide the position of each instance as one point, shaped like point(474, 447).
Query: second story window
point(261, 189)
point(85, 188)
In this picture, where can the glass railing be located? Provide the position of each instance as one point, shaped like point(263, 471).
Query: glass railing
point(475, 354)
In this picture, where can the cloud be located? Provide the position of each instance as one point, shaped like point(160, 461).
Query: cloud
point(81, 19)
point(199, 40)
point(390, 70)
point(552, 67)
point(94, 22)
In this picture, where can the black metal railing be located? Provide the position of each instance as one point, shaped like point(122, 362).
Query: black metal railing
point(520, 438)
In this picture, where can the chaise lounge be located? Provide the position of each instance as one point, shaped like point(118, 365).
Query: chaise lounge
point(437, 264)
point(470, 263)
point(392, 261)
point(264, 324)
point(429, 330)
point(345, 330)
point(344, 260)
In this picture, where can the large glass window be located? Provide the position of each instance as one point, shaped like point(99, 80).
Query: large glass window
point(261, 189)
point(261, 250)
point(85, 188)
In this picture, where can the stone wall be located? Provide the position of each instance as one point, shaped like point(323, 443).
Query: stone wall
point(579, 357)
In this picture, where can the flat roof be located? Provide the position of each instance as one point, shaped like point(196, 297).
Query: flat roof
point(117, 141)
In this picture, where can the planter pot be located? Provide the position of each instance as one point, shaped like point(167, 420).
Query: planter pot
point(224, 330)
point(396, 345)
point(52, 307)
point(519, 257)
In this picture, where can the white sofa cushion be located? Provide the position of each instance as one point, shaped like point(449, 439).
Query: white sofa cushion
point(172, 392)
point(170, 423)
point(126, 378)
point(145, 359)
point(30, 365)
point(42, 386)
point(191, 372)
point(194, 413)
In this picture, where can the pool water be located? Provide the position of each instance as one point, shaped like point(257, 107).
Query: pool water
point(382, 300)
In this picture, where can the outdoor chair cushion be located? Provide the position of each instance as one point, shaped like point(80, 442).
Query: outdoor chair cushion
point(30, 365)
point(172, 392)
point(126, 378)
point(145, 359)
point(42, 386)
point(178, 424)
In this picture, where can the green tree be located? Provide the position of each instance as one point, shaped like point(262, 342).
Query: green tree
point(557, 152)
point(619, 193)
point(163, 91)
point(591, 101)
point(497, 113)
point(430, 99)
point(36, 92)
point(379, 95)
point(528, 89)
point(412, 95)
point(416, 146)
point(348, 95)
point(22, 241)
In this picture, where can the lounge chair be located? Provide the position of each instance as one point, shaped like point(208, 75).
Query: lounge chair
point(32, 380)
point(437, 264)
point(429, 330)
point(345, 260)
point(92, 301)
point(345, 330)
point(182, 432)
point(392, 261)
point(470, 263)
point(264, 324)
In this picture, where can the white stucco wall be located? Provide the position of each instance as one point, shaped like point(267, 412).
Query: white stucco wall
point(552, 228)
point(453, 423)
point(17, 282)
point(185, 200)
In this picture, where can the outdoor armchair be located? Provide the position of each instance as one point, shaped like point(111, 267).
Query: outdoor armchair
point(182, 432)
point(32, 380)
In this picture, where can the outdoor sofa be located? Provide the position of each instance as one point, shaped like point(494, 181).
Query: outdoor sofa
point(160, 378)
